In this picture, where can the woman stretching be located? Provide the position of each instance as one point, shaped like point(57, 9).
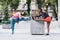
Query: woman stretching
point(16, 18)
point(46, 18)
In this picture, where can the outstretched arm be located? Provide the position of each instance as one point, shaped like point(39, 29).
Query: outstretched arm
point(39, 19)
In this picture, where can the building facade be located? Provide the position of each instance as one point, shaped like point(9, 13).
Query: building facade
point(59, 13)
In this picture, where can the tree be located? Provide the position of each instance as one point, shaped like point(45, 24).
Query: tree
point(54, 3)
point(13, 3)
point(5, 4)
point(28, 4)
point(40, 3)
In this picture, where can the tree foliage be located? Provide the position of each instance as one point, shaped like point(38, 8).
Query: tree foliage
point(40, 3)
point(28, 4)
point(13, 3)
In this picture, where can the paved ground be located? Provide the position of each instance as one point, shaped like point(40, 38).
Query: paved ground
point(22, 32)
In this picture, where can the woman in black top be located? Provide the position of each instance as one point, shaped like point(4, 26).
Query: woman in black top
point(46, 18)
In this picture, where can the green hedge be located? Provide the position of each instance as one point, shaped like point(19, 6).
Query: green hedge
point(6, 22)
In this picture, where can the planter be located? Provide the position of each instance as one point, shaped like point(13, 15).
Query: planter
point(6, 26)
point(37, 27)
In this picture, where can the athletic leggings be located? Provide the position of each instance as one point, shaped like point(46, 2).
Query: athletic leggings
point(13, 21)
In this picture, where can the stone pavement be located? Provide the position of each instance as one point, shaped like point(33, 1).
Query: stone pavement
point(22, 32)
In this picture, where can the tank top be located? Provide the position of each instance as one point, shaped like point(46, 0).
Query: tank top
point(17, 15)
